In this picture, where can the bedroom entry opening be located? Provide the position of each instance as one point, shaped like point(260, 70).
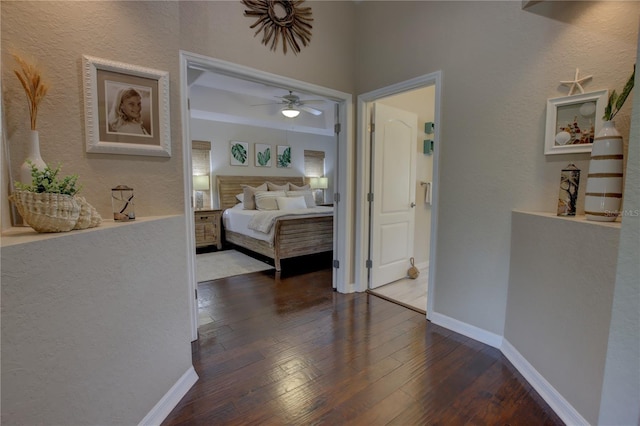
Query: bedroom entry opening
point(399, 155)
point(225, 104)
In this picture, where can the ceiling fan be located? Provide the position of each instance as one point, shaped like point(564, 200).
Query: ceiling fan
point(293, 105)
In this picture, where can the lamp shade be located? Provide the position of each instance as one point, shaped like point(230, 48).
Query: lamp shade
point(290, 112)
point(201, 183)
point(319, 182)
point(323, 182)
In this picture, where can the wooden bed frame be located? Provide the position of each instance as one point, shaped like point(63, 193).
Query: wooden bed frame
point(293, 237)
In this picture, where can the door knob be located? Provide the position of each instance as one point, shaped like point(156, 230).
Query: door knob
point(413, 205)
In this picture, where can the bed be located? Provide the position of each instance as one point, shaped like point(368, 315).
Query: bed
point(292, 235)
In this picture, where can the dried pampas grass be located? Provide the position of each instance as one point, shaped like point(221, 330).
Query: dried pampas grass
point(33, 85)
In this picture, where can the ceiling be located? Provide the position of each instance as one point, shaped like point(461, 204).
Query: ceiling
point(227, 99)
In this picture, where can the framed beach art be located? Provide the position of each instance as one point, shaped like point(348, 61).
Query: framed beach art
point(573, 122)
point(126, 108)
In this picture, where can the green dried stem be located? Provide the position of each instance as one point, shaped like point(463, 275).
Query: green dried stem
point(616, 101)
point(33, 85)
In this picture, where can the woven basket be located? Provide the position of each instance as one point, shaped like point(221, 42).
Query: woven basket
point(89, 216)
point(47, 212)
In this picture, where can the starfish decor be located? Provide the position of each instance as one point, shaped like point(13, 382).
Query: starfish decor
point(576, 82)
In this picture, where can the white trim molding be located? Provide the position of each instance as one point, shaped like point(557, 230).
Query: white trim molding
point(556, 401)
point(169, 401)
point(468, 330)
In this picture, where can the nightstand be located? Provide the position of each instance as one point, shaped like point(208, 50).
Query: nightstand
point(208, 224)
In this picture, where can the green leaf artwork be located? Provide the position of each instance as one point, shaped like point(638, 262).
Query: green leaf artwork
point(284, 156)
point(263, 155)
point(239, 153)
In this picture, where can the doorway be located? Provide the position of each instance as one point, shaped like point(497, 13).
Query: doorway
point(343, 169)
point(422, 97)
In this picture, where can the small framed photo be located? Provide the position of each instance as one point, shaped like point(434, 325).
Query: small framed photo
point(284, 156)
point(239, 153)
point(573, 122)
point(263, 155)
point(126, 108)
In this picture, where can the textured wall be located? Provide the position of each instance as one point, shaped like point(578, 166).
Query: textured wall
point(500, 64)
point(86, 338)
point(220, 30)
point(56, 35)
point(559, 307)
point(621, 390)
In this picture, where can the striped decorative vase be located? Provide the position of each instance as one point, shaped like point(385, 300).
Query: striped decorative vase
point(604, 182)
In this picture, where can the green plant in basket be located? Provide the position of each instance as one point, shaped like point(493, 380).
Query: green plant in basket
point(46, 180)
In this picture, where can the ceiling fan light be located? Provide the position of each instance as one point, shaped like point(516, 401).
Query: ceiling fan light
point(290, 112)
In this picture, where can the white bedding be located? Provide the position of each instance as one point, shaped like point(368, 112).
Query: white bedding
point(238, 220)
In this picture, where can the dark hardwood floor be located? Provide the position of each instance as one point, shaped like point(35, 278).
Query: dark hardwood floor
point(287, 350)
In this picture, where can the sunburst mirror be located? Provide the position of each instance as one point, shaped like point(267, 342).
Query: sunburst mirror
point(281, 20)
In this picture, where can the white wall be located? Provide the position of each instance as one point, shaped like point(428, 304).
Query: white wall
point(87, 338)
point(221, 134)
point(621, 388)
point(561, 282)
point(499, 66)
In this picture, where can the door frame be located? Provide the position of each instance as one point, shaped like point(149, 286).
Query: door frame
point(363, 152)
point(342, 233)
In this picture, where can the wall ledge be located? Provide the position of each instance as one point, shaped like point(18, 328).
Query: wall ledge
point(25, 234)
point(575, 219)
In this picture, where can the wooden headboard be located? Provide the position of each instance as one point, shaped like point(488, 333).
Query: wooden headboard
point(230, 186)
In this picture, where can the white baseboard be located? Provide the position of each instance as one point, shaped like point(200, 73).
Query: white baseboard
point(561, 406)
point(468, 330)
point(169, 401)
point(423, 266)
point(556, 401)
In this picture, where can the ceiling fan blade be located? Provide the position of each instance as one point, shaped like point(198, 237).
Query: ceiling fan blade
point(310, 110)
point(313, 101)
point(269, 103)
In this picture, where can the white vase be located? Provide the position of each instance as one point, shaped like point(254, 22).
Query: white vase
point(33, 155)
point(604, 182)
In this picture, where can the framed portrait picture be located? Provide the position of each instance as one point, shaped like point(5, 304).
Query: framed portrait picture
point(573, 122)
point(126, 108)
point(284, 156)
point(263, 155)
point(239, 153)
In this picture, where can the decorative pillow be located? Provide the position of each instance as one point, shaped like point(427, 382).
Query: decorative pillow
point(291, 203)
point(308, 197)
point(293, 187)
point(274, 187)
point(238, 206)
point(266, 200)
point(248, 192)
point(240, 197)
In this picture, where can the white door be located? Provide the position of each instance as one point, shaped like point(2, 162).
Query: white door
point(394, 189)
